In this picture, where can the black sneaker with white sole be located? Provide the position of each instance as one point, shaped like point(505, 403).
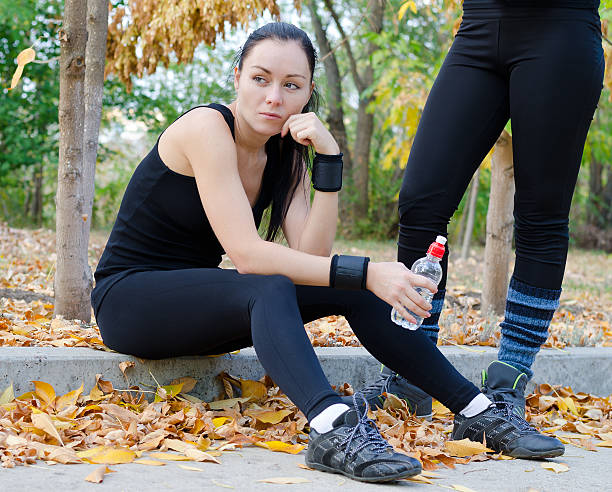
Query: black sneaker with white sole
point(355, 449)
point(505, 432)
point(418, 402)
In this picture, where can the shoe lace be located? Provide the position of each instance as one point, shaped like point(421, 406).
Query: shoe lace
point(504, 408)
point(365, 432)
point(380, 386)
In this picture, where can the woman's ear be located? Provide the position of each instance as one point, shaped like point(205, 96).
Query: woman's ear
point(236, 77)
point(312, 86)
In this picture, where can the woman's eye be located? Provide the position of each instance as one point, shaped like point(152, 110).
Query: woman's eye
point(291, 85)
point(259, 79)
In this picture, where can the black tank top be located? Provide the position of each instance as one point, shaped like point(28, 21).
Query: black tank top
point(504, 4)
point(161, 224)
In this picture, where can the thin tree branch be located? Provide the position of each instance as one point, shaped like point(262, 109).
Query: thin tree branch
point(347, 45)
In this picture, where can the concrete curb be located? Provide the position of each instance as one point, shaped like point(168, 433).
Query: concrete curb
point(587, 369)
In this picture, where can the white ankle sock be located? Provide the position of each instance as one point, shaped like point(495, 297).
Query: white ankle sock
point(477, 405)
point(324, 420)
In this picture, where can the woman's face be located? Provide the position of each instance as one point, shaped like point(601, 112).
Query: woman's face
point(273, 83)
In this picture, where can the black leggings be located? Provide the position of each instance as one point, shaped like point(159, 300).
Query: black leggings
point(209, 310)
point(543, 69)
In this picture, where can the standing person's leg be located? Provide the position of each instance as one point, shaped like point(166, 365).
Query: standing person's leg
point(465, 112)
point(555, 61)
point(202, 311)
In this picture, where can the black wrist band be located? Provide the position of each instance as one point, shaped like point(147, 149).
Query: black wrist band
point(327, 172)
point(349, 272)
point(332, 271)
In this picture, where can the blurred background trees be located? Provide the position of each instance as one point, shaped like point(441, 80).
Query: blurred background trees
point(378, 61)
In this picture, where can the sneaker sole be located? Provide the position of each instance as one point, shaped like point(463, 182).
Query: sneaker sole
point(398, 476)
point(527, 454)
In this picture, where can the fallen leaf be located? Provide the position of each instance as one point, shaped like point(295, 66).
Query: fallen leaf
point(197, 455)
point(269, 416)
point(23, 58)
point(43, 422)
point(284, 480)
point(97, 475)
point(556, 467)
point(604, 444)
point(305, 467)
point(219, 421)
point(220, 484)
point(125, 365)
point(281, 446)
point(465, 447)
point(253, 390)
point(8, 395)
point(107, 455)
point(419, 479)
point(145, 461)
point(225, 404)
point(170, 456)
point(190, 468)
point(462, 488)
point(68, 399)
point(187, 382)
point(45, 392)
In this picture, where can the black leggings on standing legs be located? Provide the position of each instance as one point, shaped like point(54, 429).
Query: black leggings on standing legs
point(160, 314)
point(543, 69)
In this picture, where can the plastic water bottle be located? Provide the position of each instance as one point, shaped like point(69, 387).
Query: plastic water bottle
point(429, 267)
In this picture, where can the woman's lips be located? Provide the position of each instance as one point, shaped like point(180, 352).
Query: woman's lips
point(270, 116)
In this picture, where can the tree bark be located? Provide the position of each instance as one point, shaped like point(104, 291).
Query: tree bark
point(335, 119)
point(95, 55)
point(365, 119)
point(471, 212)
point(498, 247)
point(72, 278)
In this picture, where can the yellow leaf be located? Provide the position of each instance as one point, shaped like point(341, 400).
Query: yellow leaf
point(556, 467)
point(269, 416)
point(420, 479)
point(125, 365)
point(439, 409)
point(170, 456)
point(45, 392)
point(8, 395)
point(284, 480)
point(145, 461)
point(187, 382)
point(219, 421)
point(23, 58)
point(107, 455)
point(465, 447)
point(97, 475)
point(410, 4)
point(220, 484)
point(197, 455)
point(253, 390)
point(43, 422)
point(461, 488)
point(190, 468)
point(169, 391)
point(281, 446)
point(68, 399)
point(604, 444)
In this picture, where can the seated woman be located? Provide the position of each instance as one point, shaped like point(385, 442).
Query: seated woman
point(202, 191)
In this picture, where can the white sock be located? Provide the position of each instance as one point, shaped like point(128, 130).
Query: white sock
point(477, 405)
point(324, 420)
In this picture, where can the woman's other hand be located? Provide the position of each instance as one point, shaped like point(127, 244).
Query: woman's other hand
point(307, 129)
point(395, 284)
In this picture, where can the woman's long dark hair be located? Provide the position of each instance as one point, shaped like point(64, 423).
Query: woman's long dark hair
point(287, 159)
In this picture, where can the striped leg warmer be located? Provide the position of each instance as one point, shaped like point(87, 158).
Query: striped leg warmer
point(430, 325)
point(529, 311)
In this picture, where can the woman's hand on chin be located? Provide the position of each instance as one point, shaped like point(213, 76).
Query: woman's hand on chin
point(307, 129)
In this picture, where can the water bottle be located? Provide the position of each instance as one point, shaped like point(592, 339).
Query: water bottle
point(429, 267)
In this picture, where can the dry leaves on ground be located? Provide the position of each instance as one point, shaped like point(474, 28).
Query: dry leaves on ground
point(112, 426)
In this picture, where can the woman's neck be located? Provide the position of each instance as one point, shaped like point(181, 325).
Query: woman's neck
point(251, 142)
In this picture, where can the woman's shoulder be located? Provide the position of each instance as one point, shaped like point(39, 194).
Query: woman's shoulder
point(198, 119)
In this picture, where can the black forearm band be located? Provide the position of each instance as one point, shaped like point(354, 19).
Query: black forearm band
point(348, 272)
point(327, 172)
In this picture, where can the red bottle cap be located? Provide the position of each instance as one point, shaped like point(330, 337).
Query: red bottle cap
point(437, 248)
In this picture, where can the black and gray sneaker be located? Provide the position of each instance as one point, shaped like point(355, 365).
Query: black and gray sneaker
point(355, 449)
point(502, 382)
point(505, 432)
point(419, 402)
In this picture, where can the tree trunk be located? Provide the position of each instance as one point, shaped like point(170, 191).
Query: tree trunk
point(97, 29)
point(365, 119)
point(72, 278)
point(500, 222)
point(471, 212)
point(335, 119)
point(38, 198)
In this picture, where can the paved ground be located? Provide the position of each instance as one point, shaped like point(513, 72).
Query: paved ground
point(242, 470)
